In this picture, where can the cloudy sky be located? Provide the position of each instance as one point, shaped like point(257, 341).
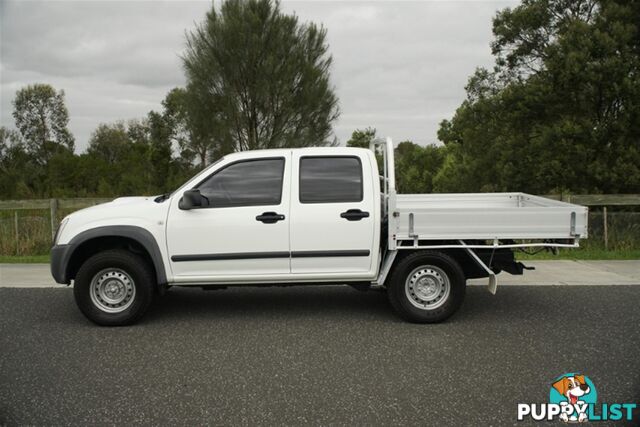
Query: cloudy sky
point(400, 67)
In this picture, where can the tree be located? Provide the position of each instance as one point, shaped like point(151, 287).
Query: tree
point(416, 167)
point(191, 128)
point(133, 158)
point(261, 77)
point(525, 36)
point(559, 112)
point(160, 152)
point(41, 117)
point(123, 158)
point(121, 151)
point(11, 156)
point(109, 142)
point(9, 139)
point(362, 138)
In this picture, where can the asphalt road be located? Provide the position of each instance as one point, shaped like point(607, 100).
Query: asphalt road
point(317, 355)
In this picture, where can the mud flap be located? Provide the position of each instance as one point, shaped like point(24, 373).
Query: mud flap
point(493, 283)
point(493, 280)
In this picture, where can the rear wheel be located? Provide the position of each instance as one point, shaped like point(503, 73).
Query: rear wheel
point(426, 287)
point(114, 288)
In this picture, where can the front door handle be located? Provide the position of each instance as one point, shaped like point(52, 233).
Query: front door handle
point(270, 217)
point(354, 215)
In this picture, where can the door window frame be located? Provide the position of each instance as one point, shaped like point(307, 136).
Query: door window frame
point(256, 159)
point(329, 201)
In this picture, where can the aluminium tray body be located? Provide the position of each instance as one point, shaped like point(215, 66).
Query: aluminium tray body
point(484, 216)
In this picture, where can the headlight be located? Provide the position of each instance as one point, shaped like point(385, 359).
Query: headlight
point(63, 223)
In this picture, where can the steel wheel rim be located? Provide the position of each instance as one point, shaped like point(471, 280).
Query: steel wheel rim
point(427, 287)
point(112, 290)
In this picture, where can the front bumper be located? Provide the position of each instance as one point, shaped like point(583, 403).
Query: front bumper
point(60, 255)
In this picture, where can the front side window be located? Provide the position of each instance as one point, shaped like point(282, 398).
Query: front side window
point(245, 183)
point(330, 179)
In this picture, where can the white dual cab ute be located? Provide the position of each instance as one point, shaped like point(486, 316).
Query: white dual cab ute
point(305, 216)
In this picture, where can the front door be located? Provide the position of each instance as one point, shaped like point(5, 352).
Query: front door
point(243, 230)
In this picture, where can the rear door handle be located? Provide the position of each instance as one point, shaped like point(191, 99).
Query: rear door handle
point(270, 217)
point(354, 215)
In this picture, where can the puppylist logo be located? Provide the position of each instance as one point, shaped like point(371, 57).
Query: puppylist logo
point(573, 399)
point(573, 393)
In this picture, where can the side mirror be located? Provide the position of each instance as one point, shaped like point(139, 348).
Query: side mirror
point(190, 199)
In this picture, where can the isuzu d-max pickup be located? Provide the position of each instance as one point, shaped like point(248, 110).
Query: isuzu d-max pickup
point(306, 216)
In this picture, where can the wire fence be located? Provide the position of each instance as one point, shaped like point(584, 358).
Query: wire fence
point(623, 230)
point(27, 227)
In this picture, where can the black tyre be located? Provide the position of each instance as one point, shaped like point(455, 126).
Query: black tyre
point(114, 288)
point(426, 287)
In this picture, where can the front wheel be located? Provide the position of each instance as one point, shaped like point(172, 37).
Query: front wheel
point(426, 287)
point(114, 288)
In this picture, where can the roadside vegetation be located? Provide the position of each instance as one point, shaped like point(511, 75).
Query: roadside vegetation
point(27, 259)
point(558, 113)
point(583, 254)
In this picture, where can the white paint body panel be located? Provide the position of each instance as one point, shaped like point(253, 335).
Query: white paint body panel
point(230, 230)
point(318, 226)
point(141, 212)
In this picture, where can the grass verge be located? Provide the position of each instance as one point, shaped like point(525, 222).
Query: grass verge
point(582, 254)
point(27, 259)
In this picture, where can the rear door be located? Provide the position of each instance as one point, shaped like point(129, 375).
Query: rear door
point(332, 214)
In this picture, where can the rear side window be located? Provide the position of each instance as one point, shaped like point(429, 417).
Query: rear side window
point(330, 179)
point(246, 183)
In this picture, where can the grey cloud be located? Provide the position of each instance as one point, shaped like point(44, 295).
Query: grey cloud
point(402, 66)
point(398, 66)
point(126, 42)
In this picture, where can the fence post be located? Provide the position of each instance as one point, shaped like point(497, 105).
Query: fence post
point(53, 208)
point(15, 224)
point(605, 229)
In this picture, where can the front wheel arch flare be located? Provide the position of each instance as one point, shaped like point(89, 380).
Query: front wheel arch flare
point(115, 233)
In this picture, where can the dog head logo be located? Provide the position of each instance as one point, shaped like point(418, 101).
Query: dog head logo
point(573, 392)
point(573, 388)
